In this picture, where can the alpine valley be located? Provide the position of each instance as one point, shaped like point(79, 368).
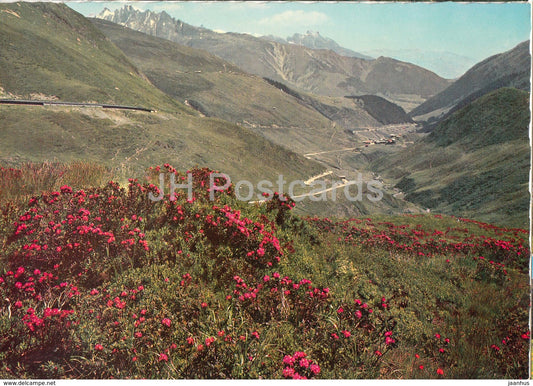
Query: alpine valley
point(401, 252)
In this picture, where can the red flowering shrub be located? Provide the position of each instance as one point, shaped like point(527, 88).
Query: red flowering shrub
point(38, 307)
point(509, 246)
point(86, 235)
point(106, 283)
point(489, 270)
point(298, 366)
point(276, 297)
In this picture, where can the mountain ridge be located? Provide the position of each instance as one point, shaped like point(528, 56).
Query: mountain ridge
point(318, 71)
point(313, 40)
point(447, 64)
point(207, 83)
point(511, 68)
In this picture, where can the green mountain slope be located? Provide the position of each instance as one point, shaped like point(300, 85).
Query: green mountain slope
point(508, 69)
point(50, 51)
point(499, 117)
point(475, 163)
point(382, 110)
point(211, 85)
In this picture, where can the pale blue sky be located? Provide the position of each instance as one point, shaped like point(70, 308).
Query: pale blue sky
point(475, 30)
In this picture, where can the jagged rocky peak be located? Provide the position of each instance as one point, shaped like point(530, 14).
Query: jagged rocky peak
point(308, 34)
point(106, 14)
point(160, 24)
point(127, 12)
point(313, 39)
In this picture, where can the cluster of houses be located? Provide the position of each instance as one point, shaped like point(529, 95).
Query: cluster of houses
point(383, 141)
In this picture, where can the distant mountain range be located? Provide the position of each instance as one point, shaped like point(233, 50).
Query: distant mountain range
point(321, 71)
point(446, 64)
point(508, 69)
point(313, 39)
point(216, 88)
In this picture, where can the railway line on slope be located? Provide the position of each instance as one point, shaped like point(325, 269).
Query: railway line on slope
point(72, 104)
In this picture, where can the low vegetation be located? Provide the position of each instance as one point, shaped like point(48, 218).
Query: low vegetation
point(102, 282)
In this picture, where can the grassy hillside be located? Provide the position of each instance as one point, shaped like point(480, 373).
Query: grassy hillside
point(382, 110)
point(131, 141)
point(103, 283)
point(49, 50)
point(475, 163)
point(496, 119)
point(53, 52)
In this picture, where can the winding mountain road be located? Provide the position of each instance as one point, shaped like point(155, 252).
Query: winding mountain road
point(330, 151)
